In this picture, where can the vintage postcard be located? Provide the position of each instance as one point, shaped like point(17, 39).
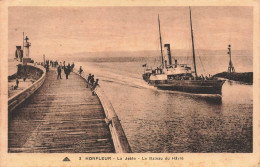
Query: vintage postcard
point(129, 83)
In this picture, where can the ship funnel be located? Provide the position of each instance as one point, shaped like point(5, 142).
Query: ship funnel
point(168, 56)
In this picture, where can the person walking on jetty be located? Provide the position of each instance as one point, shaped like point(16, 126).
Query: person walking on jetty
point(94, 87)
point(69, 66)
point(56, 63)
point(89, 77)
point(72, 66)
point(80, 70)
point(64, 65)
point(92, 80)
point(59, 72)
point(66, 71)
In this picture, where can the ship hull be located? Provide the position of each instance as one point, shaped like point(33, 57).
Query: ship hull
point(190, 86)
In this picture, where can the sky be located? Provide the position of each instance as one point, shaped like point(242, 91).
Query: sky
point(68, 30)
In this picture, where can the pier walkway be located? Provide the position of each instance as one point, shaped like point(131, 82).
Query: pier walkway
point(61, 117)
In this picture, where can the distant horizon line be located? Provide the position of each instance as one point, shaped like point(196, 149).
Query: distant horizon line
point(208, 50)
point(79, 54)
point(163, 49)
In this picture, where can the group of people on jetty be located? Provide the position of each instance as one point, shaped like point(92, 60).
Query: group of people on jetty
point(67, 69)
point(91, 82)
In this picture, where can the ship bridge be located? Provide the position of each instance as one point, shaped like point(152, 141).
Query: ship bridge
point(177, 69)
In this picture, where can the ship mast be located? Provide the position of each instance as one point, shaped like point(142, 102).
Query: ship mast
point(193, 51)
point(160, 39)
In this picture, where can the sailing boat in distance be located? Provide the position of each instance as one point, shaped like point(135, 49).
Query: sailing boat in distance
point(180, 77)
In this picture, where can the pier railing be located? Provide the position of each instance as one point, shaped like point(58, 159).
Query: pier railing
point(118, 135)
point(119, 139)
point(20, 97)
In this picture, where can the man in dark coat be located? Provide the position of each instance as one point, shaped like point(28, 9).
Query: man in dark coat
point(80, 70)
point(89, 78)
point(69, 67)
point(92, 80)
point(72, 66)
point(59, 72)
point(94, 87)
point(66, 71)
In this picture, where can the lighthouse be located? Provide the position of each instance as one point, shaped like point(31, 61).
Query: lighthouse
point(27, 46)
point(231, 68)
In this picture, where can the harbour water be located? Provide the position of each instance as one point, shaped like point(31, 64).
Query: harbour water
point(167, 121)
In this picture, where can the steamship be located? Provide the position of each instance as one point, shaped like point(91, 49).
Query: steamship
point(180, 77)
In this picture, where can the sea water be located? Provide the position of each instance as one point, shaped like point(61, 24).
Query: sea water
point(169, 121)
